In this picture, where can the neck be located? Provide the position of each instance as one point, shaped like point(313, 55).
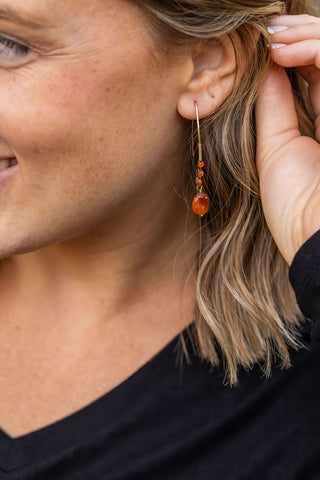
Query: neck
point(134, 272)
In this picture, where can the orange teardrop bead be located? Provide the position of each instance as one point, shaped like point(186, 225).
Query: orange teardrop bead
point(198, 182)
point(200, 173)
point(201, 164)
point(200, 204)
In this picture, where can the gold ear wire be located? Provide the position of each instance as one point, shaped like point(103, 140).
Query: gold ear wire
point(192, 139)
point(199, 133)
point(200, 203)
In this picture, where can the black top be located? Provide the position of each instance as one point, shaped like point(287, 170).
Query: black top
point(167, 423)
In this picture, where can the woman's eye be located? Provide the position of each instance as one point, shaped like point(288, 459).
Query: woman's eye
point(9, 49)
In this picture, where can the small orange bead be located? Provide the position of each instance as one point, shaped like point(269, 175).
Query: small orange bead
point(200, 173)
point(198, 182)
point(201, 204)
point(200, 164)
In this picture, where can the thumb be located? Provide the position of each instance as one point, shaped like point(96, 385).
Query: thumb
point(276, 117)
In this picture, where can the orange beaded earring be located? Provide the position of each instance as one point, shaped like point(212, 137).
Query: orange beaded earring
point(200, 203)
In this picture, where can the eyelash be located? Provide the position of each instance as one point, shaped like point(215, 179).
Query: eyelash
point(15, 49)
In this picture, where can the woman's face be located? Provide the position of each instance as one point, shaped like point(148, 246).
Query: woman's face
point(88, 114)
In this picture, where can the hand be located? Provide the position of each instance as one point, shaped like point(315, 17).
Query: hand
point(288, 163)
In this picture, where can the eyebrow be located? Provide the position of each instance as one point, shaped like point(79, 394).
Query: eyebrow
point(7, 13)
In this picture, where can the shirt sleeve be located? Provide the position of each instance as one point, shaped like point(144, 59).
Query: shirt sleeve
point(304, 275)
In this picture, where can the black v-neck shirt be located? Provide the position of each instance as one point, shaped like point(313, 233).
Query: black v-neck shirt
point(167, 422)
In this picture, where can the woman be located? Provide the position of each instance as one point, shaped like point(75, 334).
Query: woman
point(104, 266)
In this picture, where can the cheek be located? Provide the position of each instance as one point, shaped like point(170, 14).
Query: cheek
point(61, 111)
point(40, 109)
point(77, 130)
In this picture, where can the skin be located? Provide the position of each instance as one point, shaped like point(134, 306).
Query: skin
point(288, 163)
point(96, 276)
point(92, 227)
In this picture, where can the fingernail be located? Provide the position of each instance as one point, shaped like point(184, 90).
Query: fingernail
point(278, 45)
point(276, 28)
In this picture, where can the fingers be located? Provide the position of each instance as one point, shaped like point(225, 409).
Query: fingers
point(301, 49)
point(298, 54)
point(276, 118)
point(296, 33)
point(300, 40)
point(292, 20)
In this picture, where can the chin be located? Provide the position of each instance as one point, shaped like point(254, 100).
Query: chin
point(18, 246)
point(21, 240)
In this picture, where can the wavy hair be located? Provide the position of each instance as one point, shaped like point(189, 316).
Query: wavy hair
point(246, 310)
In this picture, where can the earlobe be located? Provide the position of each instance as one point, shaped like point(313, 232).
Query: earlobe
point(212, 79)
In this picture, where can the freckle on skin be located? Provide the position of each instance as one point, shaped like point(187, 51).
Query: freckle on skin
point(36, 151)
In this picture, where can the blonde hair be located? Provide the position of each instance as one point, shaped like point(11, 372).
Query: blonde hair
point(246, 311)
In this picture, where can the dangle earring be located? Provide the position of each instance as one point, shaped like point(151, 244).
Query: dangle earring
point(200, 203)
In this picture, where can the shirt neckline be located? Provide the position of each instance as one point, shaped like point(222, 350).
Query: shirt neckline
point(84, 424)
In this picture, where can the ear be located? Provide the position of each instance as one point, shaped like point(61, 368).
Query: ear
point(214, 71)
